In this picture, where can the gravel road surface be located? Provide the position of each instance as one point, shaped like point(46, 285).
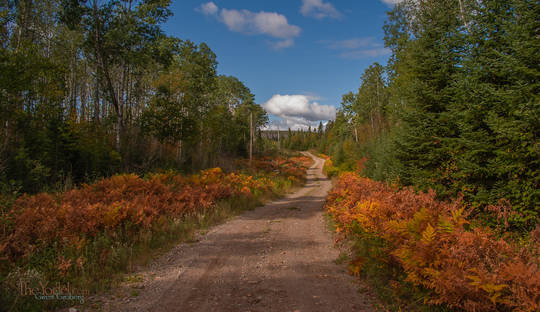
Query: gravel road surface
point(279, 257)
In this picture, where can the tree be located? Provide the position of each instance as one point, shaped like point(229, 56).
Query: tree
point(91, 88)
point(429, 60)
point(118, 34)
point(497, 108)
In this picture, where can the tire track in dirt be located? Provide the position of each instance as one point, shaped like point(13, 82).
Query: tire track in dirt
point(279, 257)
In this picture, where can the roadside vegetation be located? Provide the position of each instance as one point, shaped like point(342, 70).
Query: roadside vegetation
point(117, 140)
point(417, 249)
point(111, 133)
point(88, 236)
point(438, 159)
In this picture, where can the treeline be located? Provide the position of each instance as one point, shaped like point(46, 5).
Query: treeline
point(301, 139)
point(92, 88)
point(456, 109)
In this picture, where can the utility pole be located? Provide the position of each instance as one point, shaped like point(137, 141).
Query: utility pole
point(278, 140)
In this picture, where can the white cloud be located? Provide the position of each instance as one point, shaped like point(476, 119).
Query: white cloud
point(297, 111)
point(319, 9)
point(293, 124)
point(392, 2)
point(349, 44)
point(267, 23)
point(357, 54)
point(271, 24)
point(274, 24)
point(235, 20)
point(283, 44)
point(209, 8)
point(356, 48)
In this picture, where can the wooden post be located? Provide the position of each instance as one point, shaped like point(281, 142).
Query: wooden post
point(278, 140)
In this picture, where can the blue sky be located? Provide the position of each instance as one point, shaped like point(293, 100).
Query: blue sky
point(297, 56)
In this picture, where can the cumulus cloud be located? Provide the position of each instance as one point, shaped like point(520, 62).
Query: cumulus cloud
point(209, 8)
point(293, 124)
point(319, 9)
point(297, 111)
point(271, 24)
point(356, 48)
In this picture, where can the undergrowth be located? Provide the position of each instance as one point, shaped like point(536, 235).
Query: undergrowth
point(422, 254)
point(82, 241)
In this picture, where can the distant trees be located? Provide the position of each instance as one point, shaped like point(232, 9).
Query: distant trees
point(457, 107)
point(301, 140)
point(90, 88)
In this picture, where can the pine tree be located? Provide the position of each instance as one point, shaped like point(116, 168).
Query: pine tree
point(498, 107)
point(431, 61)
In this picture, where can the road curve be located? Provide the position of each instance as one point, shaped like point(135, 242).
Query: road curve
point(279, 257)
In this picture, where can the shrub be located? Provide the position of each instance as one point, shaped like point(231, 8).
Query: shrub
point(436, 247)
point(88, 233)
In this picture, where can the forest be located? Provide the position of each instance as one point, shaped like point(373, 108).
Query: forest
point(118, 140)
point(436, 158)
point(456, 108)
point(107, 123)
point(92, 88)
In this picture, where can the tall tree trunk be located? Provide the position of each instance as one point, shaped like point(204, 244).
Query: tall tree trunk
point(84, 101)
point(98, 71)
point(201, 156)
point(250, 138)
point(179, 153)
point(463, 15)
point(84, 94)
point(107, 84)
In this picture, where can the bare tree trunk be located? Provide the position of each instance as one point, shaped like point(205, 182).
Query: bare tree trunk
point(356, 133)
point(107, 84)
point(179, 153)
point(378, 102)
point(463, 15)
point(118, 130)
point(128, 95)
point(73, 87)
point(96, 84)
point(202, 162)
point(84, 96)
point(6, 137)
point(97, 110)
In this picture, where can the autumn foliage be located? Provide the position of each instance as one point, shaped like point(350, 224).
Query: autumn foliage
point(294, 168)
point(127, 203)
point(436, 246)
point(329, 169)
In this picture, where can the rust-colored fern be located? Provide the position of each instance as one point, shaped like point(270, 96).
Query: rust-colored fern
point(468, 269)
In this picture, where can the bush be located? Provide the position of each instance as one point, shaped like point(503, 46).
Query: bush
point(86, 235)
point(433, 243)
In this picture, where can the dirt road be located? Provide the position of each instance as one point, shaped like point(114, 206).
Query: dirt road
point(279, 257)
